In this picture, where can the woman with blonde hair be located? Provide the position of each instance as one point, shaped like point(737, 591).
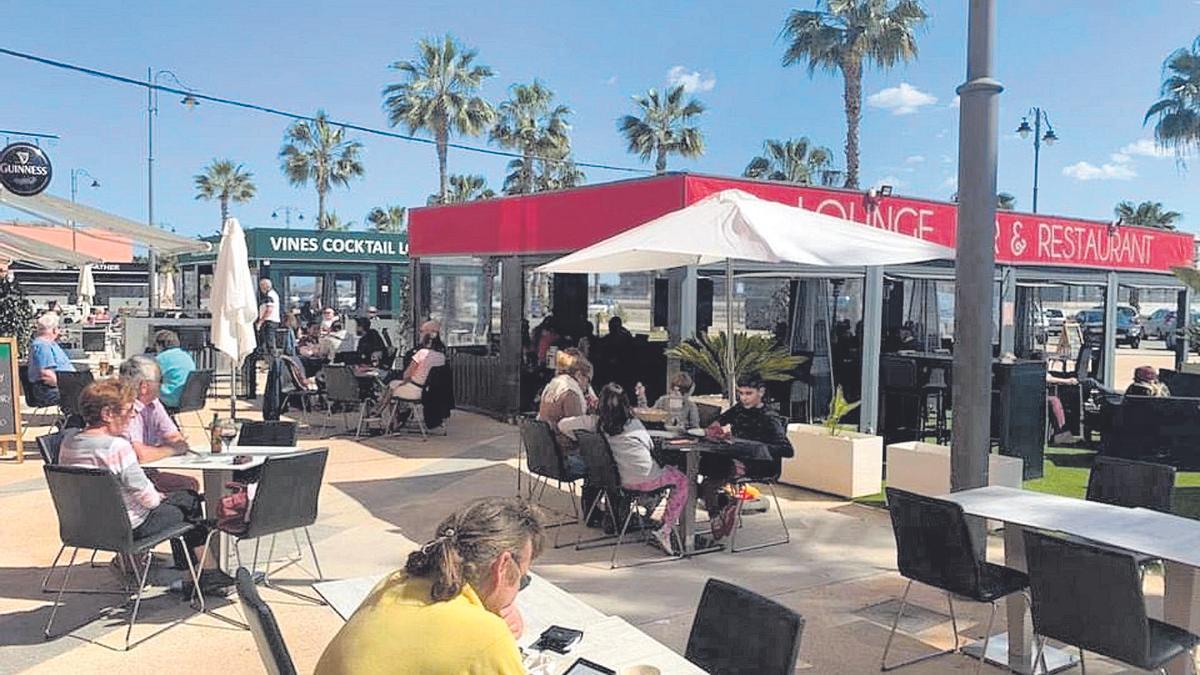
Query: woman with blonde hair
point(451, 609)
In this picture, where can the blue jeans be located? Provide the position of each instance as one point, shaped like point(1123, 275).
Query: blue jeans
point(576, 467)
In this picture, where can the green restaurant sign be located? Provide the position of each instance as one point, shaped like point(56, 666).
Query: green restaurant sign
point(308, 245)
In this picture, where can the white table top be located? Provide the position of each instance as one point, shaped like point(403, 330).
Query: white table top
point(263, 450)
point(206, 462)
point(607, 640)
point(1161, 535)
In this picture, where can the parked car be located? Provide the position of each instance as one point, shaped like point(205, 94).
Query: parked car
point(1168, 332)
point(1161, 322)
point(1053, 319)
point(1129, 330)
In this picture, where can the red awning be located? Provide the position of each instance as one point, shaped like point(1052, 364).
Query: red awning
point(564, 221)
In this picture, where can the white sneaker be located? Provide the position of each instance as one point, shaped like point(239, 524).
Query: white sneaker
point(662, 539)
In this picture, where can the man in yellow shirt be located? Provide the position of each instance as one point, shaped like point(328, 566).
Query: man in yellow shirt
point(451, 609)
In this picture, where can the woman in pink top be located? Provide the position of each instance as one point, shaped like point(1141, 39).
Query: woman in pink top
point(107, 407)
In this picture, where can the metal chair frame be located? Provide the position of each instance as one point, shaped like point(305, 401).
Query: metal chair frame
point(787, 534)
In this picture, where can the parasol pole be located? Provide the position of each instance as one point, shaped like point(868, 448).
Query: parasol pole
point(729, 356)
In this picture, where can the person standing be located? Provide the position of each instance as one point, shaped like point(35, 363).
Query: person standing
point(265, 329)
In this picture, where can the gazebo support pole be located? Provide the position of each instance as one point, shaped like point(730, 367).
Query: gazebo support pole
point(681, 311)
point(974, 269)
point(1112, 295)
point(729, 341)
point(1183, 324)
point(512, 309)
point(872, 337)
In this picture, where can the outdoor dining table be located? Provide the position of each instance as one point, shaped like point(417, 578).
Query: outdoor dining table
point(692, 447)
point(607, 640)
point(217, 470)
point(1174, 539)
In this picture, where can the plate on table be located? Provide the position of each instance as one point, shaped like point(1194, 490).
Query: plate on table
point(697, 432)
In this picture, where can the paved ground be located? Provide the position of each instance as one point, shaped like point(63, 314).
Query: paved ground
point(383, 494)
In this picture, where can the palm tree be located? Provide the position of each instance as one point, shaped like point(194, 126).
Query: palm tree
point(1005, 201)
point(1146, 214)
point(226, 182)
point(840, 35)
point(559, 174)
point(317, 152)
point(529, 122)
point(662, 128)
point(793, 161)
point(438, 96)
point(463, 188)
point(390, 219)
point(1178, 110)
point(330, 222)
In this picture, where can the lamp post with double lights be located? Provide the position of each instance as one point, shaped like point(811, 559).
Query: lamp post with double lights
point(1048, 138)
point(75, 174)
point(287, 212)
point(152, 82)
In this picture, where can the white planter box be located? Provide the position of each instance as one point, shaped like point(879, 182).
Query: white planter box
point(924, 468)
point(848, 465)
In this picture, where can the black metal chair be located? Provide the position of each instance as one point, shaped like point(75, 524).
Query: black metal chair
point(70, 386)
point(274, 433)
point(287, 496)
point(739, 632)
point(194, 396)
point(604, 475)
point(49, 446)
point(92, 515)
point(27, 390)
point(1091, 597)
point(341, 388)
point(768, 482)
point(935, 546)
point(545, 463)
point(1131, 483)
point(271, 648)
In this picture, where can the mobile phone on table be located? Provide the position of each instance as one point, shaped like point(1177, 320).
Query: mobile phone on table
point(558, 639)
point(584, 667)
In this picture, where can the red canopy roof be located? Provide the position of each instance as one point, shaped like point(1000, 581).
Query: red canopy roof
point(567, 220)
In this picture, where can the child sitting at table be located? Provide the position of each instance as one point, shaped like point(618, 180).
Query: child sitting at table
point(677, 403)
point(750, 420)
point(630, 444)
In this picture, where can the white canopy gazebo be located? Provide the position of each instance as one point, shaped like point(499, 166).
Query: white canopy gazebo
point(733, 225)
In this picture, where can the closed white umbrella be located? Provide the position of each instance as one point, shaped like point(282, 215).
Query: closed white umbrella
point(234, 304)
point(735, 225)
point(167, 290)
point(86, 289)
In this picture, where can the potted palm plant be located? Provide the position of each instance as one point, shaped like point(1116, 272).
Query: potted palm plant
point(752, 354)
point(830, 458)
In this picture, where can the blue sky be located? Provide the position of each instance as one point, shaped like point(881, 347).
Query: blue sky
point(1094, 71)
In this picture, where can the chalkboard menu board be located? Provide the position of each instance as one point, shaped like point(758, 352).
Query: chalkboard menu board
point(10, 398)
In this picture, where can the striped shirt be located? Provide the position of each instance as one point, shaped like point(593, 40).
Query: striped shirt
point(116, 455)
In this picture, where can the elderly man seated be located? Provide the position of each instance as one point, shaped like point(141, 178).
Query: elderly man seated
point(46, 360)
point(175, 365)
point(151, 432)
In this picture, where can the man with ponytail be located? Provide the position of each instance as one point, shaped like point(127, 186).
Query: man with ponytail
point(452, 608)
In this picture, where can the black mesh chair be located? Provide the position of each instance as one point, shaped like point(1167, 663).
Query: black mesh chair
point(739, 632)
point(267, 636)
point(49, 446)
point(92, 515)
point(280, 434)
point(1091, 597)
point(935, 547)
point(289, 489)
point(31, 401)
point(603, 474)
point(341, 388)
point(194, 396)
point(1132, 484)
point(545, 463)
point(70, 386)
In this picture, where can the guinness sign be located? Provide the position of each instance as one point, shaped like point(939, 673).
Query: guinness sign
point(24, 169)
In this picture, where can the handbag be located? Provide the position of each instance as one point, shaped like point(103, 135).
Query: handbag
point(233, 508)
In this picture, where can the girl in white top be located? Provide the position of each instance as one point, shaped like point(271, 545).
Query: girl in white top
point(630, 444)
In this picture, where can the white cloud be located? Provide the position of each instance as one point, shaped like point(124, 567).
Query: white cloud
point(950, 184)
point(1086, 171)
point(691, 80)
point(889, 179)
point(955, 103)
point(1146, 148)
point(611, 81)
point(1120, 158)
point(903, 100)
point(914, 159)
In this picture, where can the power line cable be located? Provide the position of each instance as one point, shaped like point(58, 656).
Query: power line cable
point(295, 116)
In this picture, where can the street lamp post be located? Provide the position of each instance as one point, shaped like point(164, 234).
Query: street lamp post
point(1049, 137)
point(75, 174)
point(152, 80)
point(287, 212)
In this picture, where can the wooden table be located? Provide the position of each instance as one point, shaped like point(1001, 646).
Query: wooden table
point(217, 469)
point(608, 640)
point(1174, 539)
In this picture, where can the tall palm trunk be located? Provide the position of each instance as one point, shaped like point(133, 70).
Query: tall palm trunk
point(224, 209)
point(443, 140)
point(660, 164)
point(527, 160)
point(320, 209)
point(852, 80)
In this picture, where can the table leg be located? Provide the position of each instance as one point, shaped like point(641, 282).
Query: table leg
point(1181, 607)
point(214, 489)
point(1020, 627)
point(687, 524)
